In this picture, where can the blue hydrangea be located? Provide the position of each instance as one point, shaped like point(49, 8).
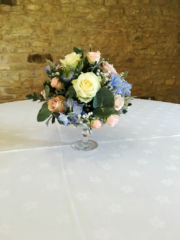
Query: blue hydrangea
point(74, 109)
point(119, 86)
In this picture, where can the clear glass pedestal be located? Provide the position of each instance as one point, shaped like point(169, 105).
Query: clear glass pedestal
point(85, 144)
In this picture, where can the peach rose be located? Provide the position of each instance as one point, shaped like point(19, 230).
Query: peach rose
point(93, 56)
point(55, 83)
point(56, 104)
point(119, 102)
point(108, 67)
point(112, 120)
point(97, 124)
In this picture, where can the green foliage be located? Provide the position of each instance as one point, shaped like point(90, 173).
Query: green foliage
point(47, 90)
point(103, 103)
point(104, 98)
point(124, 111)
point(104, 112)
point(53, 67)
point(44, 113)
point(78, 50)
point(53, 119)
point(70, 92)
point(124, 75)
point(47, 123)
point(33, 96)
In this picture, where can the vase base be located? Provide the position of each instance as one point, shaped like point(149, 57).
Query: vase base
point(84, 146)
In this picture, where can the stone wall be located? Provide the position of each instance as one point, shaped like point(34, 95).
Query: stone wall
point(140, 36)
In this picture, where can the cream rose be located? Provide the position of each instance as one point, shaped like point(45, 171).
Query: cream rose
point(71, 59)
point(86, 86)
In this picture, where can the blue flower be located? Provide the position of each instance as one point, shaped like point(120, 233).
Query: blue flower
point(47, 68)
point(63, 118)
point(67, 77)
point(119, 86)
point(74, 109)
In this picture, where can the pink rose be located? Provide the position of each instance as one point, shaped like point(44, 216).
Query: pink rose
point(56, 104)
point(97, 124)
point(56, 83)
point(108, 67)
point(119, 102)
point(93, 56)
point(112, 120)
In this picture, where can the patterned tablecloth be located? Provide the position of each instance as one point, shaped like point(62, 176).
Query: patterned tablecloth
point(126, 189)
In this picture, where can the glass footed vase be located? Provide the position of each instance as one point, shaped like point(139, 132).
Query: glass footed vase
point(85, 144)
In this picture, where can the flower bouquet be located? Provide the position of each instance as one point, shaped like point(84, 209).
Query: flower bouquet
point(83, 91)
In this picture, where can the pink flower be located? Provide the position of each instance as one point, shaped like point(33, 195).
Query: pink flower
point(56, 83)
point(93, 56)
point(97, 124)
point(112, 120)
point(119, 102)
point(108, 67)
point(56, 104)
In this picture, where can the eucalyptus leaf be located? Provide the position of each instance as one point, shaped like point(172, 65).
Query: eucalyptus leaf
point(44, 113)
point(104, 112)
point(53, 119)
point(47, 89)
point(47, 123)
point(103, 98)
point(70, 93)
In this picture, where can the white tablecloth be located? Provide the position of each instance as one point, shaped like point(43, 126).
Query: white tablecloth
point(126, 189)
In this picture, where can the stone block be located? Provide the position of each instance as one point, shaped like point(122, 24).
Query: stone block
point(27, 74)
point(5, 83)
point(24, 50)
point(83, 9)
point(4, 67)
point(40, 44)
point(33, 7)
point(170, 82)
point(5, 98)
point(100, 2)
point(110, 2)
point(16, 91)
point(28, 83)
point(162, 2)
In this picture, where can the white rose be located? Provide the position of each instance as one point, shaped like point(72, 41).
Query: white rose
point(86, 86)
point(71, 59)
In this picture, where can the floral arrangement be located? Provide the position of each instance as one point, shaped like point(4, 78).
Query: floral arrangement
point(83, 91)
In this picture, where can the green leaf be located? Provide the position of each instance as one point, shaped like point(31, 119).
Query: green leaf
point(78, 50)
point(124, 111)
point(53, 119)
point(103, 112)
point(34, 96)
point(47, 123)
point(44, 113)
point(70, 93)
point(47, 89)
point(103, 98)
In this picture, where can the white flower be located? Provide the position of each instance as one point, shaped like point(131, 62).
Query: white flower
point(71, 59)
point(86, 86)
